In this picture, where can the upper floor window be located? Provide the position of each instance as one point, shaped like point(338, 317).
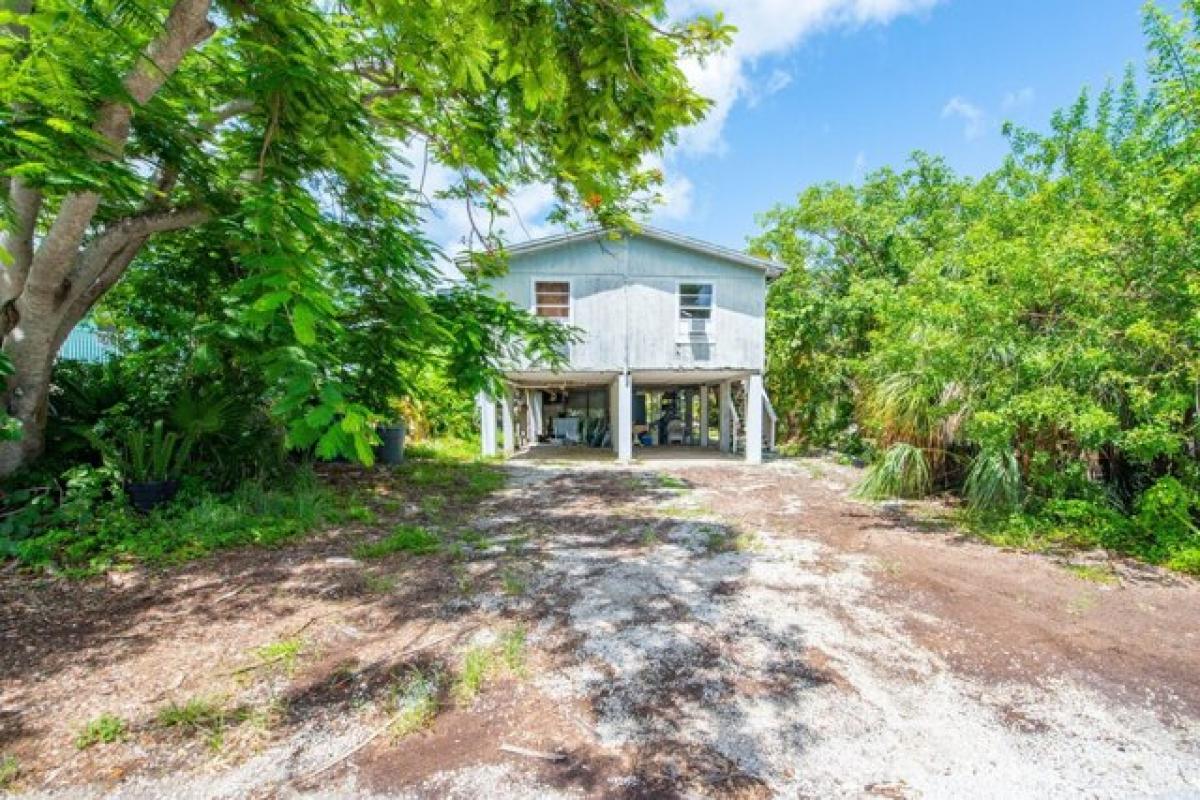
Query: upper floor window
point(695, 310)
point(552, 299)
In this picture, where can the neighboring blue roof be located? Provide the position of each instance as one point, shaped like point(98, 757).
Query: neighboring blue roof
point(85, 343)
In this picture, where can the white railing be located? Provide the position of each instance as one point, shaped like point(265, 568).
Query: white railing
point(770, 409)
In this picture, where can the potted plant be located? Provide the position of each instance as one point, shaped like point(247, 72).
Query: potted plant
point(150, 463)
point(390, 449)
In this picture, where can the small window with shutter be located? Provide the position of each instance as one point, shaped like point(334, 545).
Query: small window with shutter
point(552, 299)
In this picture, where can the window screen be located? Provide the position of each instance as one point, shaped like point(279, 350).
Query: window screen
point(695, 309)
point(552, 299)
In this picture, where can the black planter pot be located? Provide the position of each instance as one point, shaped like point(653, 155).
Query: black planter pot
point(149, 495)
point(391, 449)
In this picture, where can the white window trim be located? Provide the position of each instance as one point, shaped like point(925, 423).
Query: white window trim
point(711, 337)
point(536, 279)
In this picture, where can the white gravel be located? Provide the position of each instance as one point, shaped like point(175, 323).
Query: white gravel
point(684, 650)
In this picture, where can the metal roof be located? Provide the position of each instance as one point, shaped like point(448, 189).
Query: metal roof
point(772, 268)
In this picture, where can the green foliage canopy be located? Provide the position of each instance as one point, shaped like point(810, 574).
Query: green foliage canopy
point(1029, 338)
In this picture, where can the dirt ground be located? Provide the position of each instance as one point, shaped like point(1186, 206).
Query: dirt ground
point(687, 630)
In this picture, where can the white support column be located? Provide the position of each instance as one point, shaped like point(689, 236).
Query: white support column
point(614, 390)
point(530, 427)
point(688, 416)
point(754, 419)
point(534, 399)
point(507, 423)
point(624, 430)
point(487, 424)
point(724, 407)
point(704, 416)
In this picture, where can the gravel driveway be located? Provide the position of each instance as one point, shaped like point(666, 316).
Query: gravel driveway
point(694, 629)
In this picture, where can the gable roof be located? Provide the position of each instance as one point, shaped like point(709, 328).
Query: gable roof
point(773, 269)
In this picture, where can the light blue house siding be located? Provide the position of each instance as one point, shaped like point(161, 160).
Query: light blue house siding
point(625, 300)
point(661, 317)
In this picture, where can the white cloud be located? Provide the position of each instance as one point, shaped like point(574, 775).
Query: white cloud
point(766, 28)
point(971, 115)
point(1018, 99)
point(776, 82)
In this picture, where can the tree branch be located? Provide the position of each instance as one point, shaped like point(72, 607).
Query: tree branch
point(25, 202)
point(186, 26)
point(94, 259)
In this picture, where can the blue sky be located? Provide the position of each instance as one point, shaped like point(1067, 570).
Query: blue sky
point(823, 90)
point(865, 95)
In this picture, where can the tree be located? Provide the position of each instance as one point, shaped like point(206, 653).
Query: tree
point(265, 126)
point(1027, 339)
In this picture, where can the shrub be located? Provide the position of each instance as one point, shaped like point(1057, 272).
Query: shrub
point(901, 472)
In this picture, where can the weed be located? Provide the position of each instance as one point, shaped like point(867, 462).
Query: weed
point(672, 483)
point(473, 539)
point(379, 584)
point(516, 544)
point(283, 654)
point(462, 579)
point(719, 541)
point(104, 729)
point(416, 702)
point(1093, 573)
point(197, 714)
point(649, 537)
point(432, 505)
point(404, 539)
point(478, 663)
point(356, 512)
point(10, 769)
point(676, 511)
point(512, 650)
point(1081, 604)
point(512, 582)
point(266, 717)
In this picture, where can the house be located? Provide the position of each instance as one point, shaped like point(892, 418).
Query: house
point(671, 329)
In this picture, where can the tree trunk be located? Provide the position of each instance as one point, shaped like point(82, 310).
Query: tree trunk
point(45, 292)
point(32, 353)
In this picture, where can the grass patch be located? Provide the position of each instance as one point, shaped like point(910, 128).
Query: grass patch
point(412, 539)
point(416, 702)
point(95, 529)
point(1093, 573)
point(649, 537)
point(10, 770)
point(283, 655)
point(671, 482)
point(447, 449)
point(104, 729)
